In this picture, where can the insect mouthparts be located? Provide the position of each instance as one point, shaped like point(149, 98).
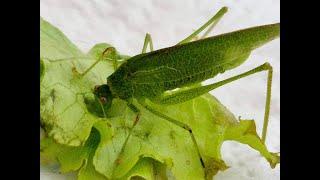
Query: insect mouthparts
point(103, 100)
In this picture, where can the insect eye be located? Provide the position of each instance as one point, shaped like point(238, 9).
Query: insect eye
point(103, 100)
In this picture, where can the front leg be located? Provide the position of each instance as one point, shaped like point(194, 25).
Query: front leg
point(110, 54)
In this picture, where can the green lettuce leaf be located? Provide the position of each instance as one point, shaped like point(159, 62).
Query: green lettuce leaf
point(82, 137)
point(73, 158)
point(63, 109)
point(80, 159)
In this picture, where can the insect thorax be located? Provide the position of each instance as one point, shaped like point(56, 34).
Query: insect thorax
point(119, 86)
point(123, 87)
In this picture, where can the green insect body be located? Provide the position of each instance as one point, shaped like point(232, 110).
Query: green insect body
point(173, 75)
point(149, 75)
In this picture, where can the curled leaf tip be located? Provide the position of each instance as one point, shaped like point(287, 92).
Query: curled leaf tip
point(274, 160)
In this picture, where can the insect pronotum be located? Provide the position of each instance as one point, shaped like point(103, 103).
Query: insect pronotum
point(149, 76)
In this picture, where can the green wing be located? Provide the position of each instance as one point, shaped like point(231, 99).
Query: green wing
point(194, 62)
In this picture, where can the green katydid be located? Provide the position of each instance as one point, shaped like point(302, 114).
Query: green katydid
point(158, 76)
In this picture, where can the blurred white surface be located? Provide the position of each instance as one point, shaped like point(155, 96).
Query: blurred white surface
point(123, 23)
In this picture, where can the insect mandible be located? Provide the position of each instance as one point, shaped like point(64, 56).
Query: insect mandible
point(154, 75)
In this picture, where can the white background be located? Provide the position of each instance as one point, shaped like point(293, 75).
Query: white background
point(123, 23)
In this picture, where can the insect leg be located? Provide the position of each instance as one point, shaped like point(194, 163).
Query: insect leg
point(267, 105)
point(176, 122)
point(110, 51)
point(147, 40)
point(65, 59)
point(185, 95)
point(136, 110)
point(213, 21)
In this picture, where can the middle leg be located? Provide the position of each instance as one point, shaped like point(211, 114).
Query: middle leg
point(178, 123)
point(147, 40)
point(135, 122)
